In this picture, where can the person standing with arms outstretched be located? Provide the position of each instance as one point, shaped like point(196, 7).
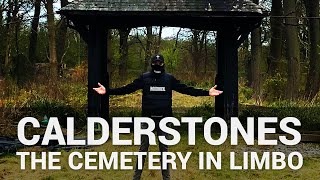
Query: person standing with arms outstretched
point(157, 86)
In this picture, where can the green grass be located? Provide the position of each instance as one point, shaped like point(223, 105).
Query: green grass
point(10, 165)
point(70, 97)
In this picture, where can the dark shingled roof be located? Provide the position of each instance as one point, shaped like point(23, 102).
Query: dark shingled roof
point(164, 5)
point(196, 14)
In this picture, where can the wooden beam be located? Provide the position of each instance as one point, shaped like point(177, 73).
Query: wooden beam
point(226, 104)
point(97, 70)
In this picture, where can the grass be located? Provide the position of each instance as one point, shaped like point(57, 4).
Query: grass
point(184, 105)
point(10, 165)
point(71, 98)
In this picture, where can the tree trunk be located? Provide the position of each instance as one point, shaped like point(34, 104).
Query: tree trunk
point(34, 33)
point(195, 50)
point(276, 37)
point(109, 56)
point(248, 62)
point(148, 48)
point(61, 37)
point(159, 41)
point(293, 50)
point(52, 41)
point(313, 79)
point(17, 23)
point(124, 53)
point(177, 40)
point(256, 53)
point(9, 34)
point(2, 40)
point(256, 56)
point(202, 44)
point(205, 55)
point(198, 38)
point(1, 15)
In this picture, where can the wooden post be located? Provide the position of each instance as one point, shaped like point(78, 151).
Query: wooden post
point(104, 76)
point(226, 104)
point(97, 70)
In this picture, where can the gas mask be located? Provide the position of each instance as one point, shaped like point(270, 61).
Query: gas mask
point(157, 64)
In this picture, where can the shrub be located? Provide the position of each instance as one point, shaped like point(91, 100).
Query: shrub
point(274, 87)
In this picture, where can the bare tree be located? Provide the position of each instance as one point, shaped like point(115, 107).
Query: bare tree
point(247, 58)
point(34, 32)
point(293, 50)
point(62, 30)
point(124, 52)
point(52, 41)
point(276, 36)
point(256, 52)
point(148, 48)
point(12, 19)
point(2, 36)
point(313, 78)
point(256, 58)
point(159, 40)
point(197, 44)
point(109, 56)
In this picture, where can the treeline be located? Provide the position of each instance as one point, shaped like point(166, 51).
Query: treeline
point(279, 60)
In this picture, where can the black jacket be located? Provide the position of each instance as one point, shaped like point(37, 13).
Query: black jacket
point(157, 92)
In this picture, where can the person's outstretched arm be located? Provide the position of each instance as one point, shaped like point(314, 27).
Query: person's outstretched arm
point(130, 88)
point(184, 89)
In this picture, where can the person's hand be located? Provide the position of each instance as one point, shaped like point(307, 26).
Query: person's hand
point(214, 92)
point(101, 89)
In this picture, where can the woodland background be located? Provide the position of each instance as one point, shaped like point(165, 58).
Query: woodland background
point(43, 73)
point(43, 63)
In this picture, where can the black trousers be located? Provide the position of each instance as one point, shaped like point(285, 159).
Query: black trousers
point(145, 146)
